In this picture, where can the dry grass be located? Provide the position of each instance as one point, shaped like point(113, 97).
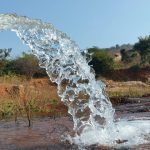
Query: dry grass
point(38, 97)
point(128, 91)
point(29, 98)
point(13, 79)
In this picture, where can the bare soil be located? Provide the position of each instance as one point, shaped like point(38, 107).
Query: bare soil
point(44, 87)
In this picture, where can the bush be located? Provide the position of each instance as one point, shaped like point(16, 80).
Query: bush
point(135, 68)
point(4, 53)
point(26, 65)
point(101, 62)
point(143, 47)
point(131, 57)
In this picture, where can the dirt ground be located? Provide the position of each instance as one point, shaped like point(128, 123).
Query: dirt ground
point(44, 87)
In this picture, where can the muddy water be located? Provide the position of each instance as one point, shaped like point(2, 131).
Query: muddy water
point(134, 108)
point(45, 133)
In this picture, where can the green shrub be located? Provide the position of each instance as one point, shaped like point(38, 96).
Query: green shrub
point(143, 47)
point(101, 61)
point(26, 65)
point(135, 68)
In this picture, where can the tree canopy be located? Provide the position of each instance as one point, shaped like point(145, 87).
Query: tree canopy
point(143, 47)
point(4, 53)
point(26, 64)
point(101, 61)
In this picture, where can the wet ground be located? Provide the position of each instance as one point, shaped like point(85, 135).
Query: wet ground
point(45, 133)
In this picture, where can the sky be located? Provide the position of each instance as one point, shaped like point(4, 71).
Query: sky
point(101, 23)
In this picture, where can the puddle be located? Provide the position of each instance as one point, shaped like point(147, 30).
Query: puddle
point(45, 133)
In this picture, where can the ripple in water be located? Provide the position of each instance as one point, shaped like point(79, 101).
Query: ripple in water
point(85, 97)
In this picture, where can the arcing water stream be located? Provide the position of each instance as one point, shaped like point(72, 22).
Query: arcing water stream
point(85, 97)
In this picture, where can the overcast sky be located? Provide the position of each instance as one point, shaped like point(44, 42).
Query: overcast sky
point(101, 23)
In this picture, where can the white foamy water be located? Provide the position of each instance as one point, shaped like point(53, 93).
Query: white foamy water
point(85, 97)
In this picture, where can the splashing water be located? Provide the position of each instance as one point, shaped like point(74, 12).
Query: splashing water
point(85, 97)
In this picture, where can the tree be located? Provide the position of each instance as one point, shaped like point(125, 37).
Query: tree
point(4, 53)
point(117, 46)
point(129, 56)
point(101, 61)
point(28, 65)
point(143, 47)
